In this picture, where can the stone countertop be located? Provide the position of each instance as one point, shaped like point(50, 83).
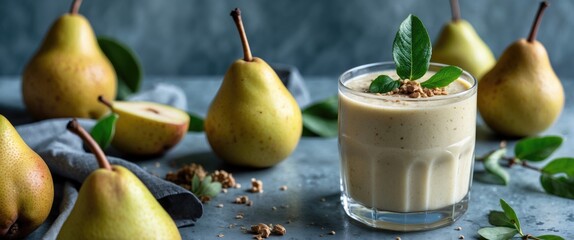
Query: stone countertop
point(310, 208)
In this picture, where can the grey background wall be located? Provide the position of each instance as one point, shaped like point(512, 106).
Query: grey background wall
point(320, 37)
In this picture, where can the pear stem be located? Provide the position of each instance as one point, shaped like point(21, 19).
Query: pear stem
point(236, 14)
point(106, 102)
point(455, 10)
point(75, 7)
point(74, 127)
point(536, 24)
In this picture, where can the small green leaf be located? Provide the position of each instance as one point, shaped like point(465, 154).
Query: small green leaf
point(497, 233)
point(383, 84)
point(499, 219)
point(320, 119)
point(412, 49)
point(195, 183)
point(557, 177)
point(195, 123)
point(550, 237)
point(126, 64)
point(104, 130)
point(492, 166)
point(510, 214)
point(443, 77)
point(537, 148)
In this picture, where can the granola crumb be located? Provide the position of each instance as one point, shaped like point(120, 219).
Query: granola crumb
point(458, 228)
point(237, 185)
point(274, 208)
point(413, 89)
point(256, 186)
point(224, 190)
point(241, 199)
point(185, 174)
point(278, 229)
point(226, 179)
point(461, 237)
point(249, 203)
point(220, 235)
point(262, 230)
point(398, 238)
point(332, 233)
point(239, 216)
point(283, 188)
point(219, 205)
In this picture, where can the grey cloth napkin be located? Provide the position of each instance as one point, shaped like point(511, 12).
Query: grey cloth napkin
point(70, 165)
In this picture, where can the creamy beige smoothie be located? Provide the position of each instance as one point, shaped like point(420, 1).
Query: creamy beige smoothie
point(401, 154)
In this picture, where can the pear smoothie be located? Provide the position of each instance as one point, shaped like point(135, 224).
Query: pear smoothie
point(405, 154)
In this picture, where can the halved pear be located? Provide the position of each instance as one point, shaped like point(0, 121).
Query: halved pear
point(146, 128)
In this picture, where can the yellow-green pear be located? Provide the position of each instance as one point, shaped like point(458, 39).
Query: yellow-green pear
point(253, 120)
point(458, 44)
point(68, 72)
point(26, 186)
point(521, 95)
point(114, 204)
point(147, 128)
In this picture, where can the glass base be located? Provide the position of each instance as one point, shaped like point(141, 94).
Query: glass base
point(397, 221)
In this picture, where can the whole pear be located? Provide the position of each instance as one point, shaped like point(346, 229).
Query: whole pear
point(458, 44)
point(68, 72)
point(26, 186)
point(147, 128)
point(114, 204)
point(253, 120)
point(521, 95)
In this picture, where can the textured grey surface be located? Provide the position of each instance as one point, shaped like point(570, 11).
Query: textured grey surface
point(312, 174)
point(321, 37)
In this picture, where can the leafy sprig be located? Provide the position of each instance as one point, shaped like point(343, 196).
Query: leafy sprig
point(507, 225)
point(412, 52)
point(205, 189)
point(557, 177)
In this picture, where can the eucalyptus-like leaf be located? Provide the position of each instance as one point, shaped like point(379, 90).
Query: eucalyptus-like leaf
point(537, 148)
point(412, 49)
point(499, 219)
point(320, 119)
point(443, 77)
point(383, 84)
point(195, 123)
point(550, 237)
point(126, 65)
point(557, 177)
point(510, 214)
point(104, 130)
point(492, 166)
point(497, 233)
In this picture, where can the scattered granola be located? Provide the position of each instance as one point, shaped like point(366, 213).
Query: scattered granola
point(249, 203)
point(458, 228)
point(239, 216)
point(278, 229)
point(226, 179)
point(262, 230)
point(220, 235)
point(283, 188)
point(256, 186)
point(185, 174)
point(461, 237)
point(219, 205)
point(398, 238)
point(237, 185)
point(241, 199)
point(332, 233)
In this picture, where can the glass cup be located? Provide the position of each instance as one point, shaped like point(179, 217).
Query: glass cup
point(406, 163)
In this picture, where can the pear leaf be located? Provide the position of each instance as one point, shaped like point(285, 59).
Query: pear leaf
point(497, 233)
point(195, 123)
point(383, 84)
point(126, 65)
point(320, 119)
point(104, 130)
point(557, 177)
point(537, 148)
point(205, 189)
point(510, 214)
point(412, 49)
point(492, 165)
point(443, 77)
point(550, 237)
point(499, 219)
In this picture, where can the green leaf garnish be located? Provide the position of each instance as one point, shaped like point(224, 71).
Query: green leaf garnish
point(537, 148)
point(104, 130)
point(320, 119)
point(384, 84)
point(412, 49)
point(499, 219)
point(492, 166)
point(443, 77)
point(550, 237)
point(557, 177)
point(126, 65)
point(497, 233)
point(511, 215)
point(205, 188)
point(195, 123)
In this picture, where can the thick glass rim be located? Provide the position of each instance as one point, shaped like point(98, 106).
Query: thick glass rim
point(342, 86)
